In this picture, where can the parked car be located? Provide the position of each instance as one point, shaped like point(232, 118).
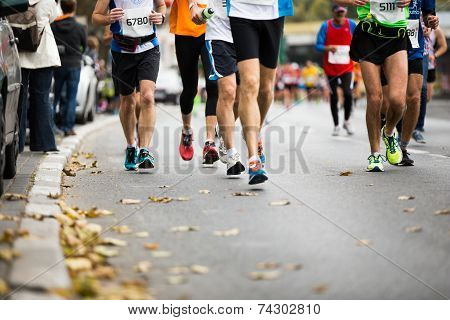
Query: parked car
point(10, 79)
point(168, 86)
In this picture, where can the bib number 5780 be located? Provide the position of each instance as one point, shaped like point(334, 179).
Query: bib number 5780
point(137, 21)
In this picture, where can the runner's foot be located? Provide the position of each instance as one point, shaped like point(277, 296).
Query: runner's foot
point(418, 137)
point(234, 164)
point(393, 151)
point(375, 163)
point(131, 156)
point(261, 154)
point(186, 149)
point(210, 154)
point(256, 172)
point(336, 131)
point(145, 159)
point(407, 161)
point(348, 127)
point(222, 148)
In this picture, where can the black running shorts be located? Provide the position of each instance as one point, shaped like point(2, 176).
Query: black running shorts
point(414, 67)
point(130, 68)
point(258, 39)
point(431, 78)
point(223, 58)
point(370, 48)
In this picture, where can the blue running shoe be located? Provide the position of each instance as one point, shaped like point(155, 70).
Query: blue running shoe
point(257, 173)
point(145, 159)
point(261, 154)
point(131, 156)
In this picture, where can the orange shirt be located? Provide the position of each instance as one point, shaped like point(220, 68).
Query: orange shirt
point(180, 20)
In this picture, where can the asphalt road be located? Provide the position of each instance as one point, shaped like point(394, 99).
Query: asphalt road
point(318, 229)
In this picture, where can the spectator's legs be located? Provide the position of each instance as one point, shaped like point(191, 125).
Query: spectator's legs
point(73, 79)
point(23, 108)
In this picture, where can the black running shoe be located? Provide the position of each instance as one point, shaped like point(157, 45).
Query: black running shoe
point(407, 161)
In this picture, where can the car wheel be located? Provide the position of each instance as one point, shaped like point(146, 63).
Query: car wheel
point(91, 115)
point(11, 154)
point(2, 144)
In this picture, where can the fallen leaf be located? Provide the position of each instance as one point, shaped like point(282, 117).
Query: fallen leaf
point(95, 213)
point(88, 155)
point(293, 266)
point(69, 172)
point(143, 234)
point(442, 212)
point(185, 229)
point(198, 269)
point(345, 173)
point(105, 251)
point(54, 196)
point(114, 242)
point(183, 199)
point(245, 194)
point(403, 198)
point(280, 203)
point(227, 233)
point(267, 265)
point(14, 197)
point(94, 164)
point(179, 270)
point(363, 243)
point(176, 280)
point(409, 210)
point(130, 201)
point(151, 246)
point(121, 229)
point(321, 288)
point(35, 216)
point(265, 275)
point(105, 272)
point(164, 187)
point(143, 267)
point(4, 289)
point(160, 199)
point(370, 185)
point(4, 217)
point(161, 254)
point(8, 254)
point(413, 229)
point(8, 236)
point(204, 191)
point(78, 264)
point(96, 172)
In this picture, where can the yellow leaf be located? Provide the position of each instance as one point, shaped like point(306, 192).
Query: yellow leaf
point(185, 229)
point(204, 191)
point(114, 242)
point(151, 246)
point(130, 201)
point(8, 254)
point(345, 173)
point(280, 203)
point(4, 217)
point(183, 199)
point(121, 229)
point(4, 289)
point(78, 264)
point(321, 288)
point(8, 236)
point(106, 252)
point(54, 196)
point(14, 196)
point(363, 243)
point(161, 254)
point(143, 234)
point(403, 198)
point(409, 210)
point(413, 229)
point(198, 269)
point(160, 199)
point(265, 275)
point(227, 233)
point(176, 280)
point(104, 272)
point(442, 212)
point(143, 267)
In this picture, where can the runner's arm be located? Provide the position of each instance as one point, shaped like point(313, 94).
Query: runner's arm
point(429, 14)
point(321, 38)
point(101, 17)
point(196, 12)
point(158, 16)
point(441, 43)
point(356, 3)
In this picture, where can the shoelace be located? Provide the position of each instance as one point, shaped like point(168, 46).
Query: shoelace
point(372, 158)
point(187, 140)
point(393, 144)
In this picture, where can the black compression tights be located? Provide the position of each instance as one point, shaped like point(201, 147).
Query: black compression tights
point(346, 84)
point(188, 50)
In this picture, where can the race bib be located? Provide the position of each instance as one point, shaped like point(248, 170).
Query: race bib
point(386, 11)
point(258, 2)
point(413, 33)
point(341, 56)
point(136, 23)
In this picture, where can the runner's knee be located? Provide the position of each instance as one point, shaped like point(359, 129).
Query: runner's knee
point(249, 85)
point(147, 99)
point(227, 93)
point(375, 98)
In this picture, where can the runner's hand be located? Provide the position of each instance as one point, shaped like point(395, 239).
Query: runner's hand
point(156, 17)
point(432, 22)
point(403, 3)
point(115, 15)
point(196, 15)
point(432, 58)
point(360, 3)
point(331, 48)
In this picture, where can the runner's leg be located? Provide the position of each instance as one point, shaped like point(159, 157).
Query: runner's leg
point(225, 106)
point(333, 81)
point(147, 117)
point(128, 117)
point(212, 97)
point(266, 88)
point(413, 108)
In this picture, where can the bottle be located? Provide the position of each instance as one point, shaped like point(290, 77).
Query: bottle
point(207, 13)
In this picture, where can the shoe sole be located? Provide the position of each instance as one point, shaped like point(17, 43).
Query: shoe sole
point(236, 170)
point(257, 179)
point(376, 169)
point(130, 169)
point(146, 165)
point(406, 164)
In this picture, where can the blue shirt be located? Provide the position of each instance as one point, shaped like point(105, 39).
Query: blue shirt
point(322, 35)
point(416, 7)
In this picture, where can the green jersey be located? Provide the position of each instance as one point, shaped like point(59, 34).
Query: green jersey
point(385, 12)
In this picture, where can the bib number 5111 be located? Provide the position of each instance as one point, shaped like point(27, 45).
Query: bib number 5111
point(390, 6)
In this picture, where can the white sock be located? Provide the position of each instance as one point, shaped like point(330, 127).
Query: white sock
point(131, 145)
point(254, 158)
point(231, 153)
point(187, 131)
point(376, 154)
point(387, 135)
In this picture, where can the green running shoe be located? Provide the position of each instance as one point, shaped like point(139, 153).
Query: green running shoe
point(393, 152)
point(375, 163)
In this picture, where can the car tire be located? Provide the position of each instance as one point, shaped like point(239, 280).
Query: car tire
point(91, 115)
point(11, 154)
point(2, 144)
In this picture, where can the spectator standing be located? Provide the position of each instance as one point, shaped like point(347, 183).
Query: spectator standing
point(71, 40)
point(334, 39)
point(37, 73)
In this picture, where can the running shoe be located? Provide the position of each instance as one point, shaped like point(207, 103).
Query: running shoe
point(375, 163)
point(407, 161)
point(210, 154)
point(418, 137)
point(145, 159)
point(348, 127)
point(336, 131)
point(234, 165)
point(186, 149)
point(222, 148)
point(393, 151)
point(261, 154)
point(256, 172)
point(131, 156)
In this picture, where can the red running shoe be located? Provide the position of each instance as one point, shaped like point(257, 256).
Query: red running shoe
point(186, 149)
point(210, 154)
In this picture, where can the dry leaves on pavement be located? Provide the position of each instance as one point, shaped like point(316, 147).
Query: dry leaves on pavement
point(179, 270)
point(114, 242)
point(293, 266)
point(8, 254)
point(265, 275)
point(4, 289)
point(96, 172)
point(14, 197)
point(280, 203)
point(204, 191)
point(199, 269)
point(409, 210)
point(183, 199)
point(245, 194)
point(142, 234)
point(227, 233)
point(151, 246)
point(321, 288)
point(130, 201)
point(122, 229)
point(106, 252)
point(442, 212)
point(164, 187)
point(94, 164)
point(160, 199)
point(176, 280)
point(79, 264)
point(404, 198)
point(9, 235)
point(142, 267)
point(180, 229)
point(161, 254)
point(413, 229)
point(363, 243)
point(268, 265)
point(346, 173)
point(5, 217)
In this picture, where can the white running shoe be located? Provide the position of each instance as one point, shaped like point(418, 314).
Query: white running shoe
point(336, 131)
point(348, 127)
point(234, 165)
point(222, 148)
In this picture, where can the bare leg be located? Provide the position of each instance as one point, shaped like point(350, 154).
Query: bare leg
point(128, 117)
point(265, 95)
point(147, 116)
point(211, 122)
point(225, 106)
point(413, 107)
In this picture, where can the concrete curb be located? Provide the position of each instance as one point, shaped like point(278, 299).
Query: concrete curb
point(41, 264)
